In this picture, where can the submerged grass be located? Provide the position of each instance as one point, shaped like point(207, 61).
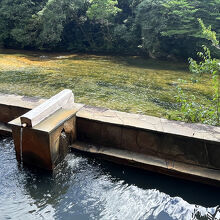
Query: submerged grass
point(130, 84)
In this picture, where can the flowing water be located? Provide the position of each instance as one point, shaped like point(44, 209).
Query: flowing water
point(87, 188)
point(21, 144)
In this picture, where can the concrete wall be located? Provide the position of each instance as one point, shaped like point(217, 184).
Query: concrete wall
point(187, 143)
point(194, 144)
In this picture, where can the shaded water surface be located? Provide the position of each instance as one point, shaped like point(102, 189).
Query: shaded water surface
point(86, 188)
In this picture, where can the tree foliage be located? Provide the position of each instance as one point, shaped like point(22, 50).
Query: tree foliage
point(209, 34)
point(102, 10)
point(159, 28)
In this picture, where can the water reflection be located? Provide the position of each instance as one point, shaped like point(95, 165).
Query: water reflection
point(86, 188)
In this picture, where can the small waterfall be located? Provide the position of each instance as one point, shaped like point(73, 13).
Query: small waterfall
point(21, 143)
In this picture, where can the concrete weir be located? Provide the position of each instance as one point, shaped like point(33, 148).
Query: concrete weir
point(189, 151)
point(42, 135)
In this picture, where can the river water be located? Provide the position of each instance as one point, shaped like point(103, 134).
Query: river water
point(87, 188)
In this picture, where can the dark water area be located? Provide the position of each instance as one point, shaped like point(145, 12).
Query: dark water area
point(82, 187)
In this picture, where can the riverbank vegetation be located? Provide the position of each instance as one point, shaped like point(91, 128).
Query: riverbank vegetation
point(155, 28)
point(209, 112)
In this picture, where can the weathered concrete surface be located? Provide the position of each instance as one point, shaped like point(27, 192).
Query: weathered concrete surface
point(46, 144)
point(64, 99)
point(194, 144)
point(13, 106)
point(151, 163)
point(199, 131)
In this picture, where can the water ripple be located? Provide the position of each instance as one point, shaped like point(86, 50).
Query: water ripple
point(85, 188)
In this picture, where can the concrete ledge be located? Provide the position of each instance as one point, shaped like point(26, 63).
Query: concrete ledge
point(20, 101)
point(13, 106)
point(199, 131)
point(151, 163)
point(64, 99)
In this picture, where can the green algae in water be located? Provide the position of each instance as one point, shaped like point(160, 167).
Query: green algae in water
point(130, 84)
